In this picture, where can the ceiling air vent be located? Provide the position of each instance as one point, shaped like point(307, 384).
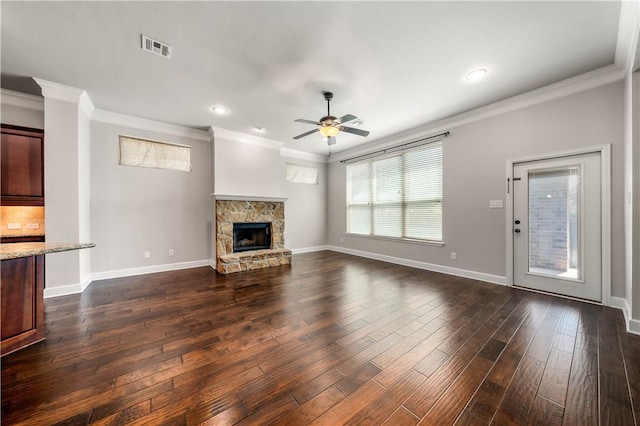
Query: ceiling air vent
point(157, 47)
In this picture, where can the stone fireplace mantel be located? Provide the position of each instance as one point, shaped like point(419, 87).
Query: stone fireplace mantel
point(229, 197)
point(232, 209)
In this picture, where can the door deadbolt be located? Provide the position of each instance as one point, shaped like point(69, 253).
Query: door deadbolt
point(517, 222)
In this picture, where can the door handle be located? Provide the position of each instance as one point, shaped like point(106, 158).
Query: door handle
point(517, 231)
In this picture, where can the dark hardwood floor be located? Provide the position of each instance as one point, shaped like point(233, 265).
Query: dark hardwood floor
point(333, 339)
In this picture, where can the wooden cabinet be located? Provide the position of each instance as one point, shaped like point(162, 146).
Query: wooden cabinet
point(22, 168)
point(22, 315)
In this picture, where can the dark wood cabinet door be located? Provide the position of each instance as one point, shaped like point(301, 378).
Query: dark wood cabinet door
point(21, 291)
point(18, 300)
point(22, 157)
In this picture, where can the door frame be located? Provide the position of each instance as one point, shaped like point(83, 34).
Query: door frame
point(605, 182)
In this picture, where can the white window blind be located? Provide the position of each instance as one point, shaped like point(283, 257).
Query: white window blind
point(397, 195)
point(298, 173)
point(160, 155)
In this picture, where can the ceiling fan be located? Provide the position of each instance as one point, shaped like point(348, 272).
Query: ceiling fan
point(329, 126)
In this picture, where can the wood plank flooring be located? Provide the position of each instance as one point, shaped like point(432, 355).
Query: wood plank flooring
point(333, 339)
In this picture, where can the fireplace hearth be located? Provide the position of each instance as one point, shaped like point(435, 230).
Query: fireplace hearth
point(249, 234)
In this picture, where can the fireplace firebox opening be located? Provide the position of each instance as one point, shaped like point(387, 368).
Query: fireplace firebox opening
point(251, 236)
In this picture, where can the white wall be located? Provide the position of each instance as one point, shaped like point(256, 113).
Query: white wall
point(475, 158)
point(246, 169)
point(633, 205)
point(20, 109)
point(306, 208)
point(136, 209)
point(258, 169)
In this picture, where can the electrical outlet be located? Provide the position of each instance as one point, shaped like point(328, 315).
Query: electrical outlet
point(454, 256)
point(14, 226)
point(342, 240)
point(172, 252)
point(33, 226)
point(147, 255)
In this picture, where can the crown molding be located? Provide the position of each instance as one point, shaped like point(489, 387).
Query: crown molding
point(64, 93)
point(124, 120)
point(59, 91)
point(628, 29)
point(561, 89)
point(21, 100)
point(301, 155)
point(246, 138)
point(85, 104)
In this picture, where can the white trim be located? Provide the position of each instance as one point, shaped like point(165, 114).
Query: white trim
point(22, 100)
point(480, 276)
point(105, 275)
point(59, 91)
point(300, 155)
point(309, 249)
point(65, 290)
point(124, 120)
point(632, 325)
point(247, 138)
point(85, 104)
point(628, 27)
point(230, 197)
point(580, 83)
point(605, 163)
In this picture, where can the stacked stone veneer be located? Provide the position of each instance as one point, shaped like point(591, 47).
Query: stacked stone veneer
point(230, 212)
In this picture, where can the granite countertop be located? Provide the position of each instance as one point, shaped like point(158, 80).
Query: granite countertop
point(16, 250)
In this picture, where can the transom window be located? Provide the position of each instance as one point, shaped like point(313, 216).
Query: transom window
point(397, 195)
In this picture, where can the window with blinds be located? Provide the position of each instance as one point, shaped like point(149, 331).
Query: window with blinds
point(397, 195)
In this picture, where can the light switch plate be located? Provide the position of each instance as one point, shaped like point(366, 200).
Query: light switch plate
point(495, 204)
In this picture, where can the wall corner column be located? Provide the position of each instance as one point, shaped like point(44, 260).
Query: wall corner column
point(67, 122)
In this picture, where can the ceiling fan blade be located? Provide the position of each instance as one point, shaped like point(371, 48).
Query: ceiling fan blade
point(305, 134)
point(358, 132)
point(347, 118)
point(302, 120)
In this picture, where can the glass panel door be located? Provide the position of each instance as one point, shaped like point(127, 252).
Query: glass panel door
point(554, 222)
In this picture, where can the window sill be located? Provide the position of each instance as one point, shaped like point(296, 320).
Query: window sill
point(398, 240)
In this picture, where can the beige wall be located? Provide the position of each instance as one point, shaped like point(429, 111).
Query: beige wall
point(475, 157)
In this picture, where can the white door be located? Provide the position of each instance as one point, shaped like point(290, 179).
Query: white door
point(557, 223)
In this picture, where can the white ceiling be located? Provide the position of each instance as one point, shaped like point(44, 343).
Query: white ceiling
point(396, 65)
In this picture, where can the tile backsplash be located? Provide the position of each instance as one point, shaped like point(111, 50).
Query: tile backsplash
point(17, 220)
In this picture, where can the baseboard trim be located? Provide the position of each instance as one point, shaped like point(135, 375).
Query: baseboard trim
point(480, 276)
point(65, 290)
point(309, 249)
point(633, 325)
point(119, 273)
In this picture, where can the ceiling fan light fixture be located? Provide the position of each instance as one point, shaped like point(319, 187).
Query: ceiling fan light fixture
point(329, 131)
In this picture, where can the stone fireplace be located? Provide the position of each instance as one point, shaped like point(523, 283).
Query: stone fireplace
point(249, 233)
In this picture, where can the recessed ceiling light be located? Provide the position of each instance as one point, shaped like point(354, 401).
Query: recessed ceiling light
point(476, 74)
point(218, 109)
point(259, 129)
